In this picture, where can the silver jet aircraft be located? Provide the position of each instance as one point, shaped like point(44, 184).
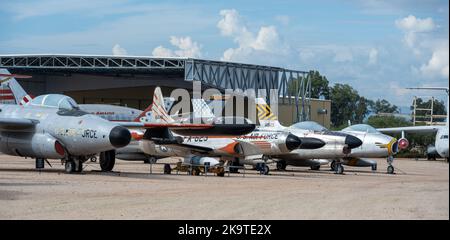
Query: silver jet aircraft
point(337, 145)
point(53, 127)
point(198, 148)
point(55, 107)
point(375, 145)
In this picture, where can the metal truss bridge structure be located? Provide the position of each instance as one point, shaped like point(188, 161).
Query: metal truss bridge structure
point(292, 85)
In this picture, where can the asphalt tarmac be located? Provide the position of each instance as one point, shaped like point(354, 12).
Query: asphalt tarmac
point(418, 190)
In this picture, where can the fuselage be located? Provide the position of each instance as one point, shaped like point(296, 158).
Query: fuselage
point(79, 133)
point(111, 112)
point(441, 142)
point(262, 143)
point(374, 145)
point(334, 147)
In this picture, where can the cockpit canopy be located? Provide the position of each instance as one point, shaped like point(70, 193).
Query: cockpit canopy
point(55, 101)
point(309, 125)
point(361, 128)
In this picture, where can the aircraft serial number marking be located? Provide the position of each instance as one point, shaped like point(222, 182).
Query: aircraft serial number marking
point(72, 132)
point(88, 133)
point(195, 139)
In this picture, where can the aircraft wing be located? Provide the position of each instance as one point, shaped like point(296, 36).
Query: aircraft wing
point(165, 125)
point(413, 129)
point(16, 124)
point(248, 149)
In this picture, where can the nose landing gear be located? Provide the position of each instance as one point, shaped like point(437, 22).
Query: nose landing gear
point(390, 168)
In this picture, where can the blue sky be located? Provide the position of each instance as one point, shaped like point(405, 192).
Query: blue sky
point(377, 46)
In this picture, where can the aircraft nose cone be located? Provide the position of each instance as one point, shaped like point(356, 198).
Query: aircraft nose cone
point(311, 143)
point(352, 141)
point(292, 142)
point(119, 137)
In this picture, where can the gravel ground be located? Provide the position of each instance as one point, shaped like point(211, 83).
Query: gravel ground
point(419, 190)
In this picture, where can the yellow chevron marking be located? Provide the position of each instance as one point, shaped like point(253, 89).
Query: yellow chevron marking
point(264, 112)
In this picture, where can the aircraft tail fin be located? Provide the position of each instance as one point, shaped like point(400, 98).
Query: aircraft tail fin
point(265, 115)
point(10, 90)
point(201, 109)
point(156, 112)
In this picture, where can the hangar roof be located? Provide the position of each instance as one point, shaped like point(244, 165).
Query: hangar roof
point(216, 74)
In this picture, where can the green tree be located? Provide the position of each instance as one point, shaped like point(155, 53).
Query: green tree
point(383, 106)
point(319, 85)
point(438, 108)
point(347, 104)
point(387, 121)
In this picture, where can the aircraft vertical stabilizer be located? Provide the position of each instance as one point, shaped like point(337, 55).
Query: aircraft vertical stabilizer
point(10, 90)
point(265, 115)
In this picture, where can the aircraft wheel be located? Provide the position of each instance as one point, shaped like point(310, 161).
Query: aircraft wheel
point(390, 170)
point(315, 167)
point(69, 167)
point(374, 167)
point(107, 160)
point(150, 159)
point(167, 169)
point(281, 165)
point(333, 165)
point(265, 170)
point(78, 168)
point(339, 169)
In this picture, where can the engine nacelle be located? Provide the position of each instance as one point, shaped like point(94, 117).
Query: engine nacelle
point(32, 145)
point(403, 143)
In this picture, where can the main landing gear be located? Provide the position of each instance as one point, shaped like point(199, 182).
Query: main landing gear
point(74, 165)
point(107, 160)
point(281, 165)
point(337, 167)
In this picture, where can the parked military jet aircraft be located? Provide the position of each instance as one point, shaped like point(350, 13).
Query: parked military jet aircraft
point(53, 127)
point(375, 145)
point(337, 145)
point(247, 149)
point(72, 125)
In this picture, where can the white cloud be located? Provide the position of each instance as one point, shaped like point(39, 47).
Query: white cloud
point(250, 45)
point(161, 51)
point(438, 63)
point(373, 56)
point(419, 37)
point(229, 24)
point(186, 48)
point(412, 26)
point(117, 50)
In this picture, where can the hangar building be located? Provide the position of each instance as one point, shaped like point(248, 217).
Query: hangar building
point(130, 80)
